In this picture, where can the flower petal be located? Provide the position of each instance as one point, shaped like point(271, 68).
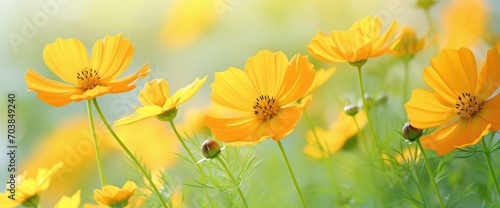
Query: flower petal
point(238, 129)
point(321, 48)
point(489, 77)
point(425, 111)
point(155, 92)
point(490, 112)
point(322, 75)
point(54, 93)
point(463, 133)
point(127, 83)
point(233, 89)
point(266, 71)
point(298, 79)
point(111, 56)
point(381, 44)
point(140, 114)
point(284, 122)
point(90, 94)
point(184, 94)
point(66, 57)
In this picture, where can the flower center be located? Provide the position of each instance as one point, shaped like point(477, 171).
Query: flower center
point(87, 79)
point(265, 107)
point(467, 105)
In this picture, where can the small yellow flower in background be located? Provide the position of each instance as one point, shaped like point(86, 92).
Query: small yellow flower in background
point(113, 196)
point(463, 23)
point(264, 95)
point(460, 102)
point(360, 42)
point(157, 102)
point(28, 190)
point(322, 75)
point(69, 202)
point(87, 79)
point(407, 44)
point(333, 139)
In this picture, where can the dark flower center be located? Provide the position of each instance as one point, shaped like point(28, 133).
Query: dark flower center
point(467, 105)
point(265, 107)
point(88, 79)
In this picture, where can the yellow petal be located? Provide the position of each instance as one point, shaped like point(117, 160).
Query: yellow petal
point(111, 56)
point(266, 71)
point(381, 44)
point(66, 57)
point(490, 112)
point(54, 93)
point(184, 94)
point(322, 75)
point(140, 114)
point(69, 202)
point(155, 92)
point(425, 111)
point(299, 76)
point(238, 129)
point(321, 48)
point(127, 83)
point(465, 132)
point(489, 77)
point(233, 89)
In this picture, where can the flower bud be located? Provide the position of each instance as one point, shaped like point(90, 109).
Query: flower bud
point(210, 148)
point(167, 115)
point(411, 133)
point(351, 110)
point(425, 4)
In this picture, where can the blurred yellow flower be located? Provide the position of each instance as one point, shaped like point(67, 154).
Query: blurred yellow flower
point(28, 190)
point(360, 42)
point(407, 44)
point(463, 23)
point(156, 100)
point(458, 102)
point(69, 202)
point(322, 75)
point(333, 139)
point(87, 79)
point(115, 197)
point(264, 95)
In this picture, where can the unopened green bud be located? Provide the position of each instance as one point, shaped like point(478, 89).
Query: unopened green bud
point(351, 110)
point(167, 115)
point(425, 4)
point(210, 148)
point(411, 133)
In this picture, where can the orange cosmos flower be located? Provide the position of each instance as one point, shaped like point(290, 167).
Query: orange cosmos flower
point(461, 101)
point(407, 44)
point(264, 95)
point(87, 79)
point(358, 43)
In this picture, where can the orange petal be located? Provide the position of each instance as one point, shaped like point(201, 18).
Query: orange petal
point(66, 57)
point(111, 56)
point(489, 77)
point(127, 83)
point(425, 111)
point(490, 112)
point(233, 89)
point(284, 122)
point(322, 75)
point(321, 48)
point(90, 94)
point(266, 71)
point(297, 80)
point(54, 93)
point(381, 44)
point(239, 129)
point(463, 133)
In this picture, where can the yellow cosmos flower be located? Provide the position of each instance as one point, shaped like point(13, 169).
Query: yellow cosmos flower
point(264, 95)
point(360, 42)
point(322, 75)
point(87, 79)
point(461, 101)
point(333, 139)
point(28, 190)
point(407, 44)
point(156, 100)
point(115, 197)
point(69, 202)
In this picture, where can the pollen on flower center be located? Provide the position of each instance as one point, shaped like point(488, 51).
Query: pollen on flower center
point(88, 79)
point(467, 105)
point(265, 107)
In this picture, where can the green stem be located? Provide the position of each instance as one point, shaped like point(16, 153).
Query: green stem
point(431, 175)
point(144, 172)
point(171, 121)
point(490, 167)
point(96, 146)
point(234, 181)
point(367, 109)
point(361, 136)
point(291, 174)
point(406, 79)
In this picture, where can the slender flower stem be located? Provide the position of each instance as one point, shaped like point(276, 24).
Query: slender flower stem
point(490, 167)
point(234, 181)
point(361, 136)
point(291, 174)
point(406, 79)
point(144, 172)
point(367, 109)
point(431, 175)
point(171, 121)
point(96, 146)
